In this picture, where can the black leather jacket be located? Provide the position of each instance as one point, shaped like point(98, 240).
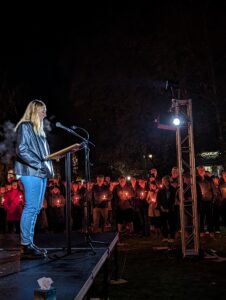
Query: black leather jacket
point(31, 150)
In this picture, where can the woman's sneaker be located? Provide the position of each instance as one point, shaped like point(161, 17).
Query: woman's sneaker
point(30, 252)
point(43, 250)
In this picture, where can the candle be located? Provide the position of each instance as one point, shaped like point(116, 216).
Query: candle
point(142, 195)
point(76, 199)
point(124, 195)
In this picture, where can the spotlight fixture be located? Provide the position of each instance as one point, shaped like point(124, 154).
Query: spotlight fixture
point(176, 121)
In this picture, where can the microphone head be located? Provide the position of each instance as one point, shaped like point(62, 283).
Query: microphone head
point(58, 124)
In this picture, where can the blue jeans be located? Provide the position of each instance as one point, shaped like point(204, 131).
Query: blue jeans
point(34, 190)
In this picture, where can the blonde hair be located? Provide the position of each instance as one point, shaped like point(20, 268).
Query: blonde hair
point(31, 115)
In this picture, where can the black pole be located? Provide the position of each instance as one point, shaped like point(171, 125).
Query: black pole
point(68, 200)
point(87, 179)
point(85, 145)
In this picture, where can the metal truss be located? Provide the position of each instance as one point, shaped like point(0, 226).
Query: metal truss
point(186, 164)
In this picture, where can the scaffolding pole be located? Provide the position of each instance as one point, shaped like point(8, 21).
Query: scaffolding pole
point(186, 163)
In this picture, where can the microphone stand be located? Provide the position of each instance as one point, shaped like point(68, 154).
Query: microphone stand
point(85, 146)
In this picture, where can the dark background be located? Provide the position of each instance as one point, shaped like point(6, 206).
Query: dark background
point(104, 66)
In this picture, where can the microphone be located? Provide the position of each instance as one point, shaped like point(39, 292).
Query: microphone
point(86, 140)
point(80, 128)
point(58, 124)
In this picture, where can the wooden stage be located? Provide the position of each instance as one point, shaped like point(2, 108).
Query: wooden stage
point(73, 274)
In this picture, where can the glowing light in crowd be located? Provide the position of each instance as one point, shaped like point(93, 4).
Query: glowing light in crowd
point(58, 202)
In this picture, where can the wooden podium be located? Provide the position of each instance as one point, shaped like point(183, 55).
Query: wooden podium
point(66, 152)
point(61, 153)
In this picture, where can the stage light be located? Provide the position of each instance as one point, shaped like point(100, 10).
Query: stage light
point(176, 121)
point(150, 156)
point(128, 178)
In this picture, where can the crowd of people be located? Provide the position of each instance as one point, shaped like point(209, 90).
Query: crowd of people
point(144, 206)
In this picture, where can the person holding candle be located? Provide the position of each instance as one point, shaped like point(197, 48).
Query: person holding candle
point(122, 205)
point(153, 210)
point(56, 202)
point(141, 208)
point(33, 170)
point(216, 203)
point(206, 204)
point(165, 202)
point(77, 206)
point(13, 204)
point(101, 195)
point(174, 177)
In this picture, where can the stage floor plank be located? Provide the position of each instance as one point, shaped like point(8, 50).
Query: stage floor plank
point(72, 274)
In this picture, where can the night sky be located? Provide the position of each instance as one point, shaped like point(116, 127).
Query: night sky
point(105, 68)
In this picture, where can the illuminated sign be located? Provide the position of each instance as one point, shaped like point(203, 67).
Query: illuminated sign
point(210, 155)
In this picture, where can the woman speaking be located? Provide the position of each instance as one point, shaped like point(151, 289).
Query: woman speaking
point(33, 171)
